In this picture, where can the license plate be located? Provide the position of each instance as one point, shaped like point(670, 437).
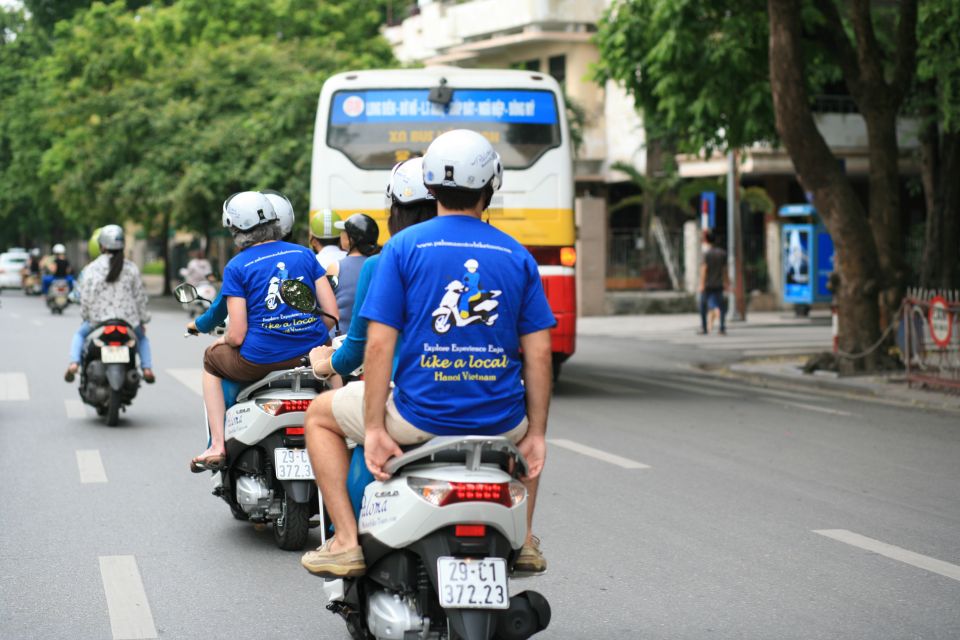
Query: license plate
point(473, 583)
point(292, 464)
point(114, 355)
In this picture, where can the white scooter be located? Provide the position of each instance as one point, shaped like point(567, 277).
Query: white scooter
point(266, 476)
point(440, 538)
point(448, 315)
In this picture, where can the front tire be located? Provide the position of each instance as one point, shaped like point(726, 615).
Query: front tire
point(291, 528)
point(113, 409)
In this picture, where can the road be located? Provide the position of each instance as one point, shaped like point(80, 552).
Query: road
point(674, 505)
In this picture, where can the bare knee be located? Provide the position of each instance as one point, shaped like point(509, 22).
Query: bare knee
point(320, 413)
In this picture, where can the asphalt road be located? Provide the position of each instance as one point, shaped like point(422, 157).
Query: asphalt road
point(673, 505)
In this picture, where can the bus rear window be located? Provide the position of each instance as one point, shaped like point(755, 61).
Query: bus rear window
point(378, 128)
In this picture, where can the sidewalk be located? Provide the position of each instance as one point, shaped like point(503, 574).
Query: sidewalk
point(626, 326)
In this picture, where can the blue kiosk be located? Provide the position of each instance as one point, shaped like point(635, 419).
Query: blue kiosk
point(807, 251)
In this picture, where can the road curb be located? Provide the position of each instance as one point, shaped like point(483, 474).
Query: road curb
point(879, 394)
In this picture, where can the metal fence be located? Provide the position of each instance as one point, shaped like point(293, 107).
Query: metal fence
point(930, 333)
point(631, 257)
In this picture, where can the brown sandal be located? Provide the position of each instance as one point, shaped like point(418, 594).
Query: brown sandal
point(210, 463)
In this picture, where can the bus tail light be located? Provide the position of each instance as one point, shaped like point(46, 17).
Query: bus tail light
point(568, 256)
point(554, 256)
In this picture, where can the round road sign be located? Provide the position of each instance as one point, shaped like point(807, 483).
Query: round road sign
point(941, 321)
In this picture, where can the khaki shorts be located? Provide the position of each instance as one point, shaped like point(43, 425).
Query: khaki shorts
point(348, 412)
point(225, 361)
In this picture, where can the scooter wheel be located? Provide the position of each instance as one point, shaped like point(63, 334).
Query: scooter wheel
point(443, 323)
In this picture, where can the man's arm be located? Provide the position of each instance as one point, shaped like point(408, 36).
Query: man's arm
point(538, 382)
point(377, 366)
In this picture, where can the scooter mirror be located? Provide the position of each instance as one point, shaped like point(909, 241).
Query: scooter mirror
point(185, 293)
point(298, 295)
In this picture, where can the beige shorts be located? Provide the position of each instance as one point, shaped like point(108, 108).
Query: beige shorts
point(348, 412)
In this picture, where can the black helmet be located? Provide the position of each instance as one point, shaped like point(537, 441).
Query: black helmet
point(362, 231)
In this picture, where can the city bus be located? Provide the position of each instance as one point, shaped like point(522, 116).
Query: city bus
point(367, 121)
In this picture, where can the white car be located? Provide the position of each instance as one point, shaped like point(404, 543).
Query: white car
point(11, 264)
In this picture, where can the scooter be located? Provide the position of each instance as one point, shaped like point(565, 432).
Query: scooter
point(58, 295)
point(439, 538)
point(267, 477)
point(447, 315)
point(109, 376)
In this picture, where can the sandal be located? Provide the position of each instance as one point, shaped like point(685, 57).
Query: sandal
point(210, 463)
point(148, 376)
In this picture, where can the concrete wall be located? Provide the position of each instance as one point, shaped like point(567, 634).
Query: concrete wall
point(591, 219)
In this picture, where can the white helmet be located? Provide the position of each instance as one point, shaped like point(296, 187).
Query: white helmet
point(111, 237)
point(462, 159)
point(246, 210)
point(471, 265)
point(283, 208)
point(406, 182)
point(59, 248)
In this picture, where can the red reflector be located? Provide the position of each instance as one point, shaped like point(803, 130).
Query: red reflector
point(471, 530)
point(479, 492)
point(294, 431)
point(292, 406)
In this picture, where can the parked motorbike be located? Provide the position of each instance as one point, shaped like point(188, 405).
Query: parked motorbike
point(440, 538)
point(267, 477)
point(58, 295)
point(448, 315)
point(109, 375)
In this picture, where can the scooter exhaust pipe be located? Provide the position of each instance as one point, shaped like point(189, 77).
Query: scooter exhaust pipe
point(529, 613)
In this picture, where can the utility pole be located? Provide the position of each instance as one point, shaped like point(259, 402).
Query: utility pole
point(738, 302)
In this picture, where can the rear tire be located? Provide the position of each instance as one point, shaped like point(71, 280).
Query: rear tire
point(113, 409)
point(291, 529)
point(357, 627)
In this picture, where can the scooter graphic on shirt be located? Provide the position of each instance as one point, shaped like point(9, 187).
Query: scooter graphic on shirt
point(273, 291)
point(481, 308)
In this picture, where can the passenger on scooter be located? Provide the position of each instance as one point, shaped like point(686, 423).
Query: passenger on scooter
point(262, 335)
point(56, 267)
point(358, 237)
point(464, 381)
point(214, 316)
point(111, 288)
point(410, 203)
point(325, 238)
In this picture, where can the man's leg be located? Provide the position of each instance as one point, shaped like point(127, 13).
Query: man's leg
point(703, 311)
point(341, 555)
point(723, 311)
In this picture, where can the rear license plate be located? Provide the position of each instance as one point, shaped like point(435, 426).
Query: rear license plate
point(473, 583)
point(292, 464)
point(115, 355)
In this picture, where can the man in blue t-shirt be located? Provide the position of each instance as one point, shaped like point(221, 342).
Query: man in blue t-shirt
point(457, 373)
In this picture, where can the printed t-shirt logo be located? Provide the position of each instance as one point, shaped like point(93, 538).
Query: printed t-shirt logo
point(466, 302)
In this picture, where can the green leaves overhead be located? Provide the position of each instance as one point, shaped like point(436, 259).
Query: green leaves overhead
point(167, 110)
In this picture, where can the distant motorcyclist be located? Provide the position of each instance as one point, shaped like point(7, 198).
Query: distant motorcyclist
point(111, 288)
point(198, 269)
point(57, 266)
point(325, 238)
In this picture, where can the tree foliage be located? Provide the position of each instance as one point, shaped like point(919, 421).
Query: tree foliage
point(158, 114)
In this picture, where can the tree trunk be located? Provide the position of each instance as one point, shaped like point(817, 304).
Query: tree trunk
point(167, 270)
point(885, 216)
point(654, 170)
point(820, 173)
point(950, 211)
point(932, 263)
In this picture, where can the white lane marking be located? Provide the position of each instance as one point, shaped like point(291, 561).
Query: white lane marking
point(191, 378)
point(626, 463)
point(91, 466)
point(686, 388)
point(36, 323)
point(75, 409)
point(891, 551)
point(130, 616)
point(13, 386)
point(15, 316)
point(812, 407)
point(762, 390)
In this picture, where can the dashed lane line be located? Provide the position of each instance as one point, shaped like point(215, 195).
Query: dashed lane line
point(813, 407)
point(190, 378)
point(13, 386)
point(90, 466)
point(893, 552)
point(731, 386)
point(76, 410)
point(130, 616)
point(597, 454)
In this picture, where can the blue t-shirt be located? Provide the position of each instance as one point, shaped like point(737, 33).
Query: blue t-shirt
point(459, 367)
point(275, 332)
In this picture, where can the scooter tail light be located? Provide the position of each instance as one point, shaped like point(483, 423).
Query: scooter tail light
point(433, 491)
point(280, 407)
point(470, 530)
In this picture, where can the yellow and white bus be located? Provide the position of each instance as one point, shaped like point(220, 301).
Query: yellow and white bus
point(367, 121)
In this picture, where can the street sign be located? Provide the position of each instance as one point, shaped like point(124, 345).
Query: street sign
point(941, 321)
point(708, 210)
